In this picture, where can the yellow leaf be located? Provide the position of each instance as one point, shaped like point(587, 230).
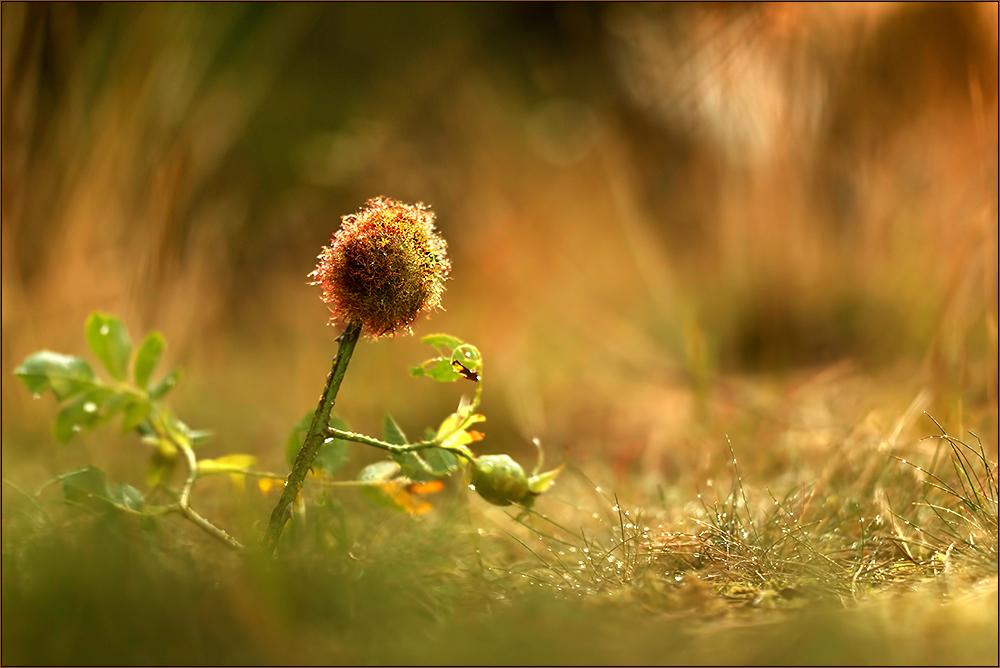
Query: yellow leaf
point(429, 487)
point(226, 464)
point(397, 490)
point(541, 482)
point(405, 494)
point(239, 481)
point(265, 485)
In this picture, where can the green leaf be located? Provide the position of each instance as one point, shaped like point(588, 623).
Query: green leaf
point(82, 484)
point(147, 358)
point(442, 341)
point(127, 496)
point(160, 389)
point(89, 486)
point(134, 407)
point(412, 464)
point(226, 464)
point(331, 456)
point(381, 473)
point(161, 465)
point(65, 375)
point(199, 436)
point(83, 412)
point(297, 437)
point(392, 433)
point(135, 414)
point(440, 370)
point(541, 482)
point(117, 402)
point(179, 431)
point(110, 342)
point(333, 453)
point(441, 462)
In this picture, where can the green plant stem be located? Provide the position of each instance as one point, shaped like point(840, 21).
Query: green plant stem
point(390, 447)
point(314, 438)
point(311, 481)
point(184, 507)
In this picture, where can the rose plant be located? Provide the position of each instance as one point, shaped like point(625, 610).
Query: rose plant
point(384, 268)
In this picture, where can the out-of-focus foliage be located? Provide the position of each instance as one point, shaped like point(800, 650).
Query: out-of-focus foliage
point(667, 223)
point(741, 188)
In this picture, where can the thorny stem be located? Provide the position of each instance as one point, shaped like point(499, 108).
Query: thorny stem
point(390, 447)
point(312, 481)
point(314, 439)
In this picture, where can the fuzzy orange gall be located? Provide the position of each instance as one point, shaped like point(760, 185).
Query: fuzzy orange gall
point(384, 267)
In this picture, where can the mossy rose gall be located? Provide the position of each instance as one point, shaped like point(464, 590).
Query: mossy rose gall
point(384, 267)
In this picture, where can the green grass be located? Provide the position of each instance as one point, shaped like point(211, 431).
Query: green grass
point(887, 565)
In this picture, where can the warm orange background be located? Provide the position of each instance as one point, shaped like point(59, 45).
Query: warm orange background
point(667, 223)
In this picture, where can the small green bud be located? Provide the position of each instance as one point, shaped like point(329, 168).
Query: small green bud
point(499, 479)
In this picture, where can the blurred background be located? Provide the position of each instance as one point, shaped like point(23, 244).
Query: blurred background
point(668, 223)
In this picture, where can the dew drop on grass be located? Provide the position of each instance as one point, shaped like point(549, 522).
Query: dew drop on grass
point(104, 330)
point(89, 407)
point(36, 396)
